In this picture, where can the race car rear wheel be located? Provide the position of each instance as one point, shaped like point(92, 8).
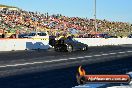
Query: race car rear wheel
point(69, 48)
point(56, 48)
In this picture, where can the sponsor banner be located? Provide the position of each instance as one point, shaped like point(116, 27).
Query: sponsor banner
point(108, 78)
point(82, 78)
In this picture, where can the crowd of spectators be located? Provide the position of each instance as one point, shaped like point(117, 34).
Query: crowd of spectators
point(20, 21)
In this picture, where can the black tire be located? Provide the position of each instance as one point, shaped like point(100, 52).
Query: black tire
point(56, 48)
point(69, 48)
point(85, 48)
point(65, 48)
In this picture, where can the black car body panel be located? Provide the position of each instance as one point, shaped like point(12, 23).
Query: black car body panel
point(69, 45)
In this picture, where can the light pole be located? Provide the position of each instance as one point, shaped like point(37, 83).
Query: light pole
point(95, 24)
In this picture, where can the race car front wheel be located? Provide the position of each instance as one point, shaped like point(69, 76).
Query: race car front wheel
point(85, 48)
point(69, 48)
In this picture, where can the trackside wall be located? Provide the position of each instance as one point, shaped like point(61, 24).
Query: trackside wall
point(23, 44)
point(103, 41)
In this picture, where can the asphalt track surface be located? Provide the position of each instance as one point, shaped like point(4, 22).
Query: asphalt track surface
point(50, 69)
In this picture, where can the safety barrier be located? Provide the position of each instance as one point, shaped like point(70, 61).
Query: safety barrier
point(103, 41)
point(23, 44)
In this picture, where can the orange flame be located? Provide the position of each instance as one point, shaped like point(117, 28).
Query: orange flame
point(81, 71)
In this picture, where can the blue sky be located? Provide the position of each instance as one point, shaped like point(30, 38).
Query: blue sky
point(113, 10)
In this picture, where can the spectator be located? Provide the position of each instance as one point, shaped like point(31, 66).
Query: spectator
point(57, 25)
point(3, 36)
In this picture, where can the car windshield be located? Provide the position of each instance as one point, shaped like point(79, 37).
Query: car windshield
point(42, 34)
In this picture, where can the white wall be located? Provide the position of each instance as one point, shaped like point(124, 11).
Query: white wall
point(103, 41)
point(22, 44)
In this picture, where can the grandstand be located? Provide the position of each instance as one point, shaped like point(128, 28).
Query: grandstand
point(13, 19)
point(8, 7)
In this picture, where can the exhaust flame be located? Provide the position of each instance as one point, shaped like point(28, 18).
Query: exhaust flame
point(81, 71)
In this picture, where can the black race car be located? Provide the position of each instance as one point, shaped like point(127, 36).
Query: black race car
point(69, 44)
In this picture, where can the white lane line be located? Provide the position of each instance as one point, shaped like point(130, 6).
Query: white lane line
point(72, 58)
point(15, 65)
point(112, 53)
point(80, 57)
point(105, 54)
point(58, 60)
point(121, 52)
point(32, 63)
point(97, 55)
point(42, 62)
point(129, 51)
point(88, 56)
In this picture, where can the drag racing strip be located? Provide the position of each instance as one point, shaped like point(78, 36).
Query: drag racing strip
point(85, 57)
